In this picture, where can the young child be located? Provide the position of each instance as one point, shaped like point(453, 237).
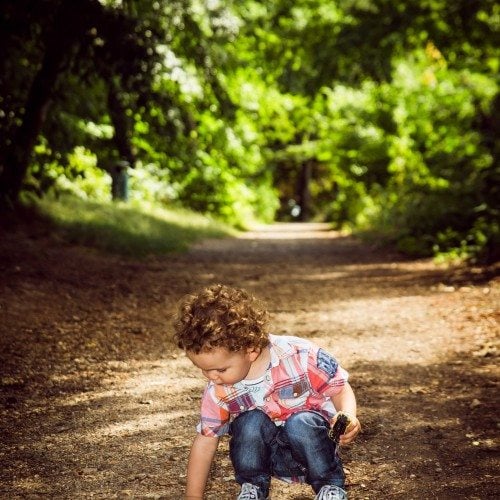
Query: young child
point(276, 396)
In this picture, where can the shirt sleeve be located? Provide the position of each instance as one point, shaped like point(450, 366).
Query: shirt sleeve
point(326, 376)
point(214, 420)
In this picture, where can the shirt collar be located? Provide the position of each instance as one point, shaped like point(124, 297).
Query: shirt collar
point(278, 349)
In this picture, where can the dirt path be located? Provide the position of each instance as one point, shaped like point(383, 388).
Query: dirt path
point(97, 403)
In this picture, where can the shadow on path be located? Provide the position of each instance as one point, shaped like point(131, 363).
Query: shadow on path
point(96, 402)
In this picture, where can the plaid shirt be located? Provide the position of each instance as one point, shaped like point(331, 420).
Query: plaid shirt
point(301, 377)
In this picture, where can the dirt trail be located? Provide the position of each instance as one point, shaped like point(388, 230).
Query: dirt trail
point(97, 403)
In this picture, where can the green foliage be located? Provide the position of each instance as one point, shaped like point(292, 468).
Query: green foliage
point(440, 167)
point(80, 176)
point(371, 114)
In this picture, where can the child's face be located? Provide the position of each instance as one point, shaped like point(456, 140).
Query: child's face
point(224, 367)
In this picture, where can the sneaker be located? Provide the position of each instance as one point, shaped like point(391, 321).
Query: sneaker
point(331, 492)
point(250, 492)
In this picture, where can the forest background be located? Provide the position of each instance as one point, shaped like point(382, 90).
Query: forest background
point(373, 115)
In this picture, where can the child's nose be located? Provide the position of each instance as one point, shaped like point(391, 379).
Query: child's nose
point(210, 375)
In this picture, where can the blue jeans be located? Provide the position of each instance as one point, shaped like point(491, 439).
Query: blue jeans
point(260, 449)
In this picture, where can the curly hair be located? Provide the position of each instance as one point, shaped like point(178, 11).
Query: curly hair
point(220, 316)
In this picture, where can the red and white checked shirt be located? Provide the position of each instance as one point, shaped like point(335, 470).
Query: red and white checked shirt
point(301, 376)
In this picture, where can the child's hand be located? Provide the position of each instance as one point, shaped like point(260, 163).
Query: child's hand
point(352, 430)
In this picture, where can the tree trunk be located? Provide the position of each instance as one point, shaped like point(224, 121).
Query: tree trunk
point(71, 22)
point(120, 121)
point(304, 191)
point(19, 154)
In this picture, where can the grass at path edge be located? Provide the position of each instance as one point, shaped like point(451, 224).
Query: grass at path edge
point(129, 229)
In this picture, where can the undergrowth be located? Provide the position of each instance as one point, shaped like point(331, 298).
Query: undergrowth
point(137, 229)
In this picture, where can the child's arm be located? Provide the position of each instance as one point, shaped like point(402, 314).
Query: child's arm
point(200, 459)
point(345, 401)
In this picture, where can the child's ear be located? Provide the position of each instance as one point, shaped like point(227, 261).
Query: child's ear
point(253, 353)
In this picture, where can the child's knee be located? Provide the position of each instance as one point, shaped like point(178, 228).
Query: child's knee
point(305, 424)
point(251, 424)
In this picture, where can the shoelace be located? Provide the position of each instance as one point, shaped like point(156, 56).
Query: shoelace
point(248, 492)
point(329, 494)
